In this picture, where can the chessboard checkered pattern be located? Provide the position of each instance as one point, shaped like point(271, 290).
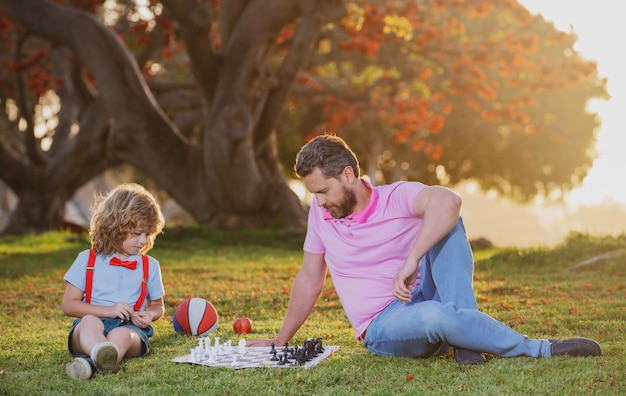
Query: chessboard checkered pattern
point(252, 357)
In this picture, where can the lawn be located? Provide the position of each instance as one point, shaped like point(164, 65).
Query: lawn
point(247, 273)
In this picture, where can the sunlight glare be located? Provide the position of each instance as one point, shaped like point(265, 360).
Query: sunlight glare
point(594, 23)
point(300, 190)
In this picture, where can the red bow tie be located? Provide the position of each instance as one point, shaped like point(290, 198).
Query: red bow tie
point(131, 265)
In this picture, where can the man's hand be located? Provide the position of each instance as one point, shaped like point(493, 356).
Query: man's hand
point(262, 342)
point(404, 279)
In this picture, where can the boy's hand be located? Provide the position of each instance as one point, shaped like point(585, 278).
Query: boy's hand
point(121, 310)
point(142, 319)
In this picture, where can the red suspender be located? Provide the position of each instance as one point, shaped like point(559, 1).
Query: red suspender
point(144, 283)
point(91, 263)
point(89, 275)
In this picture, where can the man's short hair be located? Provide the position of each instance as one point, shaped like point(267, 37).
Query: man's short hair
point(328, 152)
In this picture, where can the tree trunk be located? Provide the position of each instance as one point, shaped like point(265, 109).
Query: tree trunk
point(235, 172)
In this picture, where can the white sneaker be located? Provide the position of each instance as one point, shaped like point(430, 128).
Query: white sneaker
point(79, 368)
point(104, 355)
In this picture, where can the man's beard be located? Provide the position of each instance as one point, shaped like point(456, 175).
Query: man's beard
point(345, 207)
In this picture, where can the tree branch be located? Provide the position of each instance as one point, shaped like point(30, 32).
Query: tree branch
point(194, 21)
point(314, 16)
point(138, 121)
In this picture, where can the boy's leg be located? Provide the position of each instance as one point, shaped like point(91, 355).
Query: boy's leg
point(88, 338)
point(87, 334)
point(128, 342)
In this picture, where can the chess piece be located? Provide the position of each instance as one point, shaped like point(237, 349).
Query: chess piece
point(292, 352)
point(300, 360)
point(241, 347)
point(319, 348)
point(229, 347)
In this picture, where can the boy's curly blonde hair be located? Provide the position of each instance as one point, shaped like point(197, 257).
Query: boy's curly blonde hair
point(125, 208)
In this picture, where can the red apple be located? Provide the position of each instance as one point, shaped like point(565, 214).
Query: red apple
point(242, 325)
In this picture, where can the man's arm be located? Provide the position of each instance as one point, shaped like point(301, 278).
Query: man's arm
point(440, 208)
point(305, 290)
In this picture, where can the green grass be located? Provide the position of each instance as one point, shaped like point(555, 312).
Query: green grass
point(249, 273)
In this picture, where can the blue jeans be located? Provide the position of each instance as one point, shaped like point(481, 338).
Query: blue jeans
point(443, 312)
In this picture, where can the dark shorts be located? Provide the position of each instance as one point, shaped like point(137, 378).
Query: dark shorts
point(110, 324)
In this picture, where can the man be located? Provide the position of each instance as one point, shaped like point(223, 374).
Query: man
point(401, 264)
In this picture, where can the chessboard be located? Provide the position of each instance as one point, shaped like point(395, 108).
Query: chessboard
point(310, 353)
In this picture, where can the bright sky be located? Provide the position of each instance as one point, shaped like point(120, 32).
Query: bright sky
point(600, 27)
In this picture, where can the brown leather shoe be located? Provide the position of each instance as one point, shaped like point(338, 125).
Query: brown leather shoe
point(467, 357)
point(583, 347)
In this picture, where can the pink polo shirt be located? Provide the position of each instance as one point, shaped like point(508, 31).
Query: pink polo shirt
point(365, 250)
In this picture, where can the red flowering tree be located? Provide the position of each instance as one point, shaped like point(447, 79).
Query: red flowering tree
point(191, 93)
point(445, 91)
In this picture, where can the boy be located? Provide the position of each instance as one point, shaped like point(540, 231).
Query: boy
point(114, 289)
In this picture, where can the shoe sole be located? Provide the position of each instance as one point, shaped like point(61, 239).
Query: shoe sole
point(579, 347)
point(106, 358)
point(79, 369)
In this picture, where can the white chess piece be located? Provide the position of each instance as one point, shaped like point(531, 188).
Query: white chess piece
point(234, 363)
point(229, 346)
point(241, 348)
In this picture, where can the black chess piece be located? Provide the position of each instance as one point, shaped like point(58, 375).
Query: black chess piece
point(282, 360)
point(309, 349)
point(274, 358)
point(273, 351)
point(293, 352)
point(300, 360)
point(319, 347)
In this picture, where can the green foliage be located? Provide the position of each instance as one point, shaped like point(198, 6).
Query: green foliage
point(245, 272)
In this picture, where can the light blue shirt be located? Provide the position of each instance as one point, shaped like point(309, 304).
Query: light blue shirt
point(113, 284)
